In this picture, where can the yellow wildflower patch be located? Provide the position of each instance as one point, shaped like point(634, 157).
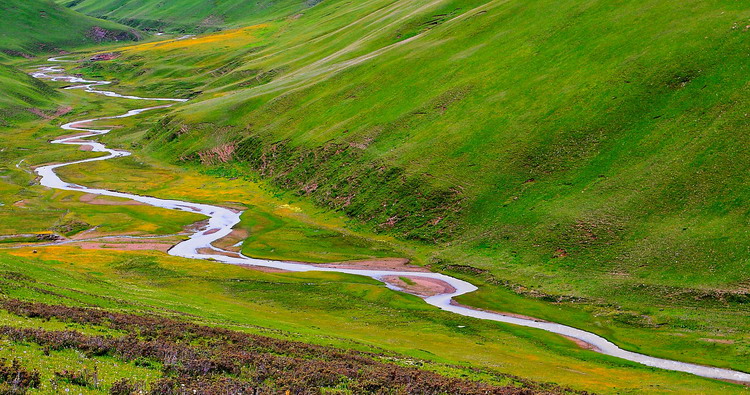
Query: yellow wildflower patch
point(228, 38)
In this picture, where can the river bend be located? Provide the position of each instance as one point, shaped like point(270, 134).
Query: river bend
point(222, 220)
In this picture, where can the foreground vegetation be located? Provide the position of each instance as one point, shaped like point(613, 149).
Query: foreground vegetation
point(203, 359)
point(326, 309)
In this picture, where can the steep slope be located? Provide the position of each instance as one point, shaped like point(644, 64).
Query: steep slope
point(21, 90)
point(34, 26)
point(22, 97)
point(186, 15)
point(592, 156)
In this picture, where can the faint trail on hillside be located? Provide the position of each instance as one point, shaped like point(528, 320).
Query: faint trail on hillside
point(222, 221)
point(308, 75)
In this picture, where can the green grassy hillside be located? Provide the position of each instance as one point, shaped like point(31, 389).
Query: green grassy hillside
point(187, 15)
point(23, 98)
point(588, 154)
point(41, 26)
point(21, 90)
point(99, 314)
point(581, 161)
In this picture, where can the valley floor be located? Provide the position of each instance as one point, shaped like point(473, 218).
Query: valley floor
point(333, 309)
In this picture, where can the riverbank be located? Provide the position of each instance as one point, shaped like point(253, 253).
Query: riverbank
point(222, 221)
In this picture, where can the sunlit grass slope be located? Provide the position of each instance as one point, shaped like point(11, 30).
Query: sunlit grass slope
point(343, 311)
point(589, 154)
point(21, 90)
point(187, 15)
point(34, 26)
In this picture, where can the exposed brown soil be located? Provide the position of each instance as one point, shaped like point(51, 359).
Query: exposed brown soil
point(395, 264)
point(196, 226)
point(81, 124)
point(129, 246)
point(421, 286)
point(39, 113)
point(91, 198)
point(67, 136)
point(228, 242)
point(51, 115)
point(721, 341)
point(93, 233)
point(105, 56)
point(525, 317)
point(209, 251)
point(580, 343)
point(267, 269)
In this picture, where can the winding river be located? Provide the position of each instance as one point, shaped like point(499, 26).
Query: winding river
point(222, 220)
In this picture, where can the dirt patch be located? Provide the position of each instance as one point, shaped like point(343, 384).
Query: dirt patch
point(67, 136)
point(85, 147)
point(63, 110)
point(21, 203)
point(580, 343)
point(266, 269)
point(229, 242)
point(196, 227)
point(420, 286)
point(394, 264)
point(521, 316)
point(17, 53)
point(721, 341)
point(235, 208)
point(93, 233)
point(91, 198)
point(81, 125)
point(39, 113)
point(104, 56)
point(94, 245)
point(49, 115)
point(209, 251)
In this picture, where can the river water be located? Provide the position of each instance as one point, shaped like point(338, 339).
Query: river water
point(222, 220)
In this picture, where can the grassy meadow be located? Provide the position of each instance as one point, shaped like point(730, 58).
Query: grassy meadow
point(327, 309)
point(582, 162)
point(569, 167)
